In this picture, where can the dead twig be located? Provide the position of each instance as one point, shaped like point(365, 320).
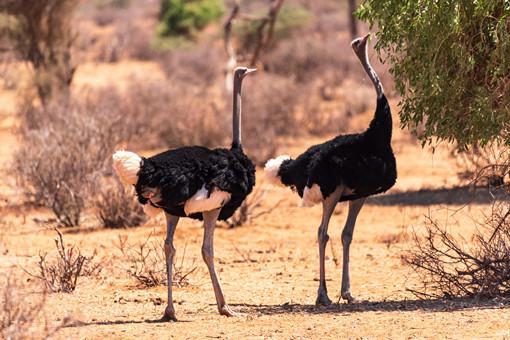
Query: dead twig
point(61, 276)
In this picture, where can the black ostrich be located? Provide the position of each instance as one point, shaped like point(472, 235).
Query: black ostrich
point(193, 182)
point(346, 168)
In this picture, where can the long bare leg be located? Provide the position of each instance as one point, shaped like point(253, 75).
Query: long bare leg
point(171, 224)
point(354, 208)
point(210, 218)
point(328, 206)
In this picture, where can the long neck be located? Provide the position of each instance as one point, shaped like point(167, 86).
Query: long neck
point(381, 125)
point(236, 119)
point(363, 57)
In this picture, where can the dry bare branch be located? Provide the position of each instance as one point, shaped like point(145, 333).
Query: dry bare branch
point(61, 276)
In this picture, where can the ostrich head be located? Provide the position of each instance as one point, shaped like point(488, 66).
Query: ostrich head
point(360, 45)
point(241, 72)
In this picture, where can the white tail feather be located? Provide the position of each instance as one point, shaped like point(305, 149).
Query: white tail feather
point(200, 202)
point(312, 196)
point(271, 170)
point(151, 210)
point(127, 165)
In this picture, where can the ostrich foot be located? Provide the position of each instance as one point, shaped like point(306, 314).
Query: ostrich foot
point(169, 315)
point(323, 299)
point(351, 299)
point(225, 310)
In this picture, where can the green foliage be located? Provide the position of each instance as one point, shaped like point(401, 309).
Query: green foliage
point(187, 16)
point(451, 65)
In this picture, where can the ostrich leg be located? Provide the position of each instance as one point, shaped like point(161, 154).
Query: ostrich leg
point(354, 208)
point(210, 218)
point(328, 206)
point(171, 224)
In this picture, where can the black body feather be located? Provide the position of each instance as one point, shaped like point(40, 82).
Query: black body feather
point(180, 173)
point(363, 162)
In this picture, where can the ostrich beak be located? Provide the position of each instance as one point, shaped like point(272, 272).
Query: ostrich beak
point(365, 38)
point(251, 70)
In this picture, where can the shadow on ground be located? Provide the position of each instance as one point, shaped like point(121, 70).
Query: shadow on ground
point(432, 305)
point(454, 196)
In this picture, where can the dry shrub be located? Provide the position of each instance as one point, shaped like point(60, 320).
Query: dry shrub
point(62, 276)
point(147, 263)
point(451, 267)
point(269, 104)
point(116, 47)
point(200, 67)
point(23, 309)
point(246, 211)
point(116, 208)
point(308, 58)
point(64, 149)
point(174, 115)
point(140, 46)
point(486, 165)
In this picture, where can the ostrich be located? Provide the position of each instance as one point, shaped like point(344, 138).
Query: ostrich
point(193, 182)
point(346, 168)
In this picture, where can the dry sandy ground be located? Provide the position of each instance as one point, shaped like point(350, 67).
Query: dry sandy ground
point(269, 268)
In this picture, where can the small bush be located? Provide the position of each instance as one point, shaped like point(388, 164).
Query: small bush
point(147, 263)
point(485, 166)
point(185, 16)
point(64, 149)
point(269, 111)
point(191, 117)
point(307, 58)
point(450, 267)
point(247, 210)
point(199, 66)
point(62, 276)
point(116, 208)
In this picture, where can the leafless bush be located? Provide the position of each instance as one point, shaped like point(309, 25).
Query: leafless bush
point(22, 311)
point(116, 208)
point(308, 58)
point(246, 211)
point(64, 148)
point(140, 46)
point(453, 267)
point(486, 165)
point(189, 116)
point(62, 276)
point(269, 111)
point(200, 67)
point(116, 47)
point(147, 263)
